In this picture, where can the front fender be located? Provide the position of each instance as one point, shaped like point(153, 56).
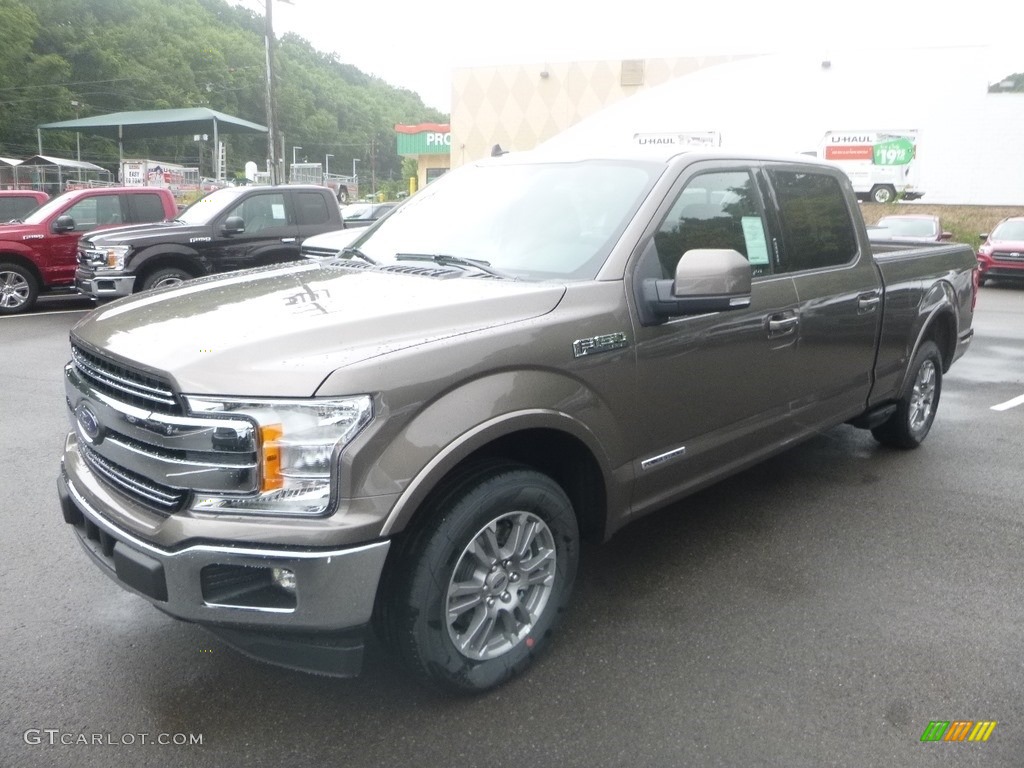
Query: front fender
point(469, 417)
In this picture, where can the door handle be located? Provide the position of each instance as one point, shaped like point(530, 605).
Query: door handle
point(782, 324)
point(868, 302)
point(287, 239)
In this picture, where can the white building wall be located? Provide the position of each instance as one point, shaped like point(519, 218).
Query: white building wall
point(970, 144)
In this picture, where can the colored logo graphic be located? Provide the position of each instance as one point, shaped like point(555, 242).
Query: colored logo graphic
point(958, 730)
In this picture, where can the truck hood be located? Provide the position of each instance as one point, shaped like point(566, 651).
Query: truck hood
point(18, 232)
point(143, 234)
point(280, 331)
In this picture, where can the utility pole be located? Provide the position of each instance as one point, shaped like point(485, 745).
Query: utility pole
point(269, 46)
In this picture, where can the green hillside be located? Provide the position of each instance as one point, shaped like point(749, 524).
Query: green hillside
point(116, 55)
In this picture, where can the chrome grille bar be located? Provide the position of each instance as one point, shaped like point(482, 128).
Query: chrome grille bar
point(166, 499)
point(106, 376)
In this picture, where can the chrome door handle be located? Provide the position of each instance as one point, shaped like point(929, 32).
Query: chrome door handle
point(782, 324)
point(287, 239)
point(868, 302)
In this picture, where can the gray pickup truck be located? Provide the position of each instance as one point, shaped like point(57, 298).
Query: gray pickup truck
point(533, 350)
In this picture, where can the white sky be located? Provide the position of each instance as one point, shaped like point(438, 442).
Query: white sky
point(416, 45)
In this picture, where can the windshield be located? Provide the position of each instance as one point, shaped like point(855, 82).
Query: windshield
point(206, 209)
point(43, 212)
point(904, 227)
point(537, 221)
point(1009, 230)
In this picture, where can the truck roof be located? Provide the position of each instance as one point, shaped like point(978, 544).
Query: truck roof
point(665, 154)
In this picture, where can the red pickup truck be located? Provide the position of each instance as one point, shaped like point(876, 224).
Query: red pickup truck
point(39, 254)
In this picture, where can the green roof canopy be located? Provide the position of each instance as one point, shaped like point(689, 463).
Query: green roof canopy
point(148, 123)
point(157, 122)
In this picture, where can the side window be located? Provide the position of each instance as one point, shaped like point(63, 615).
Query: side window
point(816, 227)
point(311, 208)
point(83, 213)
point(715, 210)
point(261, 212)
point(147, 208)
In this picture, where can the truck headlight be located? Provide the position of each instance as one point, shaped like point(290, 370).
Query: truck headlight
point(296, 444)
point(114, 256)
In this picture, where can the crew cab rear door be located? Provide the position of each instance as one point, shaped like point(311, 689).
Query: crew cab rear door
point(713, 386)
point(839, 293)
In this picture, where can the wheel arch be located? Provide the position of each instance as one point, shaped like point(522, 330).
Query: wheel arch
point(549, 442)
point(939, 322)
point(21, 260)
point(148, 262)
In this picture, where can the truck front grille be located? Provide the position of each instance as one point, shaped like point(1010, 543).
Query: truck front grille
point(159, 498)
point(122, 383)
point(137, 438)
point(1012, 256)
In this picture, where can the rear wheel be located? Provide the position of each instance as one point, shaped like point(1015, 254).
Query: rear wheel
point(883, 194)
point(480, 587)
point(164, 278)
point(18, 289)
point(915, 411)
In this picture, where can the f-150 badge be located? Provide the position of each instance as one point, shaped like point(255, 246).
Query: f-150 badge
point(603, 343)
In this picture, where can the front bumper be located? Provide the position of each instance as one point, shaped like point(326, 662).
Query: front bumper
point(317, 627)
point(101, 286)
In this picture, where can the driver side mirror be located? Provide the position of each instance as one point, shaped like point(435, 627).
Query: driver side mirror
point(64, 223)
point(707, 280)
point(233, 225)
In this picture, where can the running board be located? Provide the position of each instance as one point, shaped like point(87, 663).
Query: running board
point(875, 417)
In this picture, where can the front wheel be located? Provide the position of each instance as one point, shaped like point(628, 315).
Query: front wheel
point(481, 585)
point(164, 278)
point(18, 289)
point(915, 410)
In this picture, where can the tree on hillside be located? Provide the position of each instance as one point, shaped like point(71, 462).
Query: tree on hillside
point(118, 55)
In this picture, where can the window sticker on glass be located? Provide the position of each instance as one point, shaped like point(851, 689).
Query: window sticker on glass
point(278, 209)
point(757, 245)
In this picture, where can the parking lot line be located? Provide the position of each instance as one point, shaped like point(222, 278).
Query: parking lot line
point(1009, 404)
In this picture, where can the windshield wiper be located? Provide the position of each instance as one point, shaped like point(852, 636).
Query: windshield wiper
point(456, 261)
point(351, 251)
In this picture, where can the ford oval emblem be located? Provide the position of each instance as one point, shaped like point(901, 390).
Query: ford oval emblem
point(89, 424)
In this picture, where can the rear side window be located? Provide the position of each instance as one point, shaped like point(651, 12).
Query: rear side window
point(311, 208)
point(147, 208)
point(816, 227)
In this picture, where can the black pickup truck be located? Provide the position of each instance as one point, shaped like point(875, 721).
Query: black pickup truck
point(229, 229)
point(532, 351)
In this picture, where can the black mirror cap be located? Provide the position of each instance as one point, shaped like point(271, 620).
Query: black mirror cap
point(233, 225)
point(64, 223)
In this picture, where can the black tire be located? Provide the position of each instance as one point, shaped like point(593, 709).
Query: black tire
point(19, 289)
point(163, 278)
point(463, 609)
point(915, 410)
point(884, 194)
point(342, 195)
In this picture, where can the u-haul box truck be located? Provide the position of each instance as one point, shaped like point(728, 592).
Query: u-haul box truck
point(882, 164)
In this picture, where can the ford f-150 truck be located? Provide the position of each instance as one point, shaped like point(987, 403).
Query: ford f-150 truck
point(534, 350)
point(229, 229)
point(39, 254)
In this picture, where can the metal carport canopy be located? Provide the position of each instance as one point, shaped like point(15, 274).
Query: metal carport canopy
point(148, 123)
